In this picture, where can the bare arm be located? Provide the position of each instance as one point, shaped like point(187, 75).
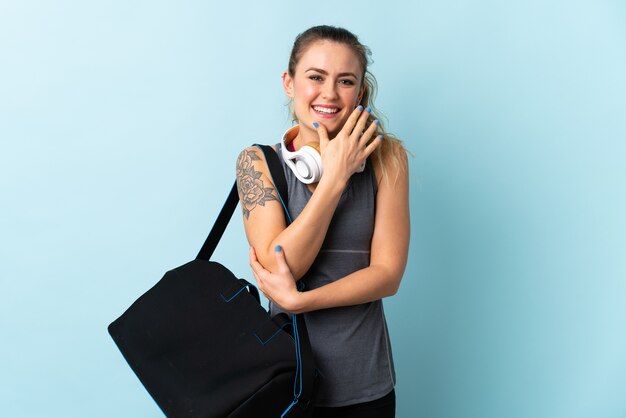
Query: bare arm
point(389, 252)
point(263, 214)
point(264, 221)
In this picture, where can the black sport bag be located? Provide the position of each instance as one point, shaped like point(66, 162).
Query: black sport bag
point(203, 346)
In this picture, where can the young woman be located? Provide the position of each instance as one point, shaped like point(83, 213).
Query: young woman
point(348, 242)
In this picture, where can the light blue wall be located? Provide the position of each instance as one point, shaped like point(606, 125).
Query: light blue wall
point(120, 123)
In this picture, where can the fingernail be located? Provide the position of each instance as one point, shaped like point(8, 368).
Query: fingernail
point(376, 122)
point(380, 137)
point(368, 110)
point(278, 248)
point(317, 125)
point(360, 108)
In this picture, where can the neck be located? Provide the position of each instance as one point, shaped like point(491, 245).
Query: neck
point(306, 135)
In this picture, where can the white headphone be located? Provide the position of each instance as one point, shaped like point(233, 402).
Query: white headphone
point(306, 162)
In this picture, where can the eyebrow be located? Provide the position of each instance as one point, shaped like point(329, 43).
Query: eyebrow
point(319, 70)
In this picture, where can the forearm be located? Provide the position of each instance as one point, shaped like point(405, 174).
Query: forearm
point(363, 286)
point(306, 234)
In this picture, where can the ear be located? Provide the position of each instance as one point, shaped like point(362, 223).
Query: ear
point(288, 84)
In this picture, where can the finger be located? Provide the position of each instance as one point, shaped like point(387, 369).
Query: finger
point(281, 262)
point(259, 282)
point(253, 258)
point(373, 145)
point(362, 121)
point(323, 135)
point(258, 279)
point(348, 127)
point(261, 286)
point(257, 268)
point(369, 133)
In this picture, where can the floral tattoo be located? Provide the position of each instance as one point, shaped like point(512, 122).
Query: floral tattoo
point(249, 184)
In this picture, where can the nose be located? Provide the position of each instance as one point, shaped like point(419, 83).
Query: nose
point(329, 90)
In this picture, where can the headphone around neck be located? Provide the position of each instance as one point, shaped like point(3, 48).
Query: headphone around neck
point(306, 162)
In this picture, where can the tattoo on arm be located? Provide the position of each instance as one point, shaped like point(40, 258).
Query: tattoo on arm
point(249, 184)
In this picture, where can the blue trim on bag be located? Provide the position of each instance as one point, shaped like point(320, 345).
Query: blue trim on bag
point(295, 401)
point(272, 336)
point(233, 296)
point(297, 382)
point(297, 389)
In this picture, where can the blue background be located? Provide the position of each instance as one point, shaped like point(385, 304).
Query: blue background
point(120, 124)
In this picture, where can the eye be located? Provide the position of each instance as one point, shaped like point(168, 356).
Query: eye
point(315, 78)
point(346, 82)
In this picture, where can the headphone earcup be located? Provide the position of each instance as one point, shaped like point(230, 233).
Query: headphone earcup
point(308, 165)
point(306, 162)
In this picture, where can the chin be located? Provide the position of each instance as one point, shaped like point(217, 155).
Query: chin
point(333, 126)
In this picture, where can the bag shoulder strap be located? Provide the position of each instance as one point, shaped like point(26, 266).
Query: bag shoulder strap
point(280, 182)
point(278, 177)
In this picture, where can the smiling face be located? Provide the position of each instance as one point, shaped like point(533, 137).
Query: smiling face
point(325, 87)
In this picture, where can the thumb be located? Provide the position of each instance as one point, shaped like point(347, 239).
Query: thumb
point(281, 262)
point(323, 135)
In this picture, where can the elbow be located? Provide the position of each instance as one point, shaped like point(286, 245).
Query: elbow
point(298, 270)
point(389, 271)
point(392, 281)
point(393, 287)
point(267, 258)
point(297, 273)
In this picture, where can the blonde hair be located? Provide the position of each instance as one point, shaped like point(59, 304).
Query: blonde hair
point(391, 150)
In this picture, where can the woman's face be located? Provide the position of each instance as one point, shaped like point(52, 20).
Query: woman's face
point(326, 86)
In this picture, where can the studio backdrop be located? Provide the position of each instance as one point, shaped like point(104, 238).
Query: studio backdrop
point(121, 122)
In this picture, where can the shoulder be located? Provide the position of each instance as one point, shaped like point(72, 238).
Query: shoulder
point(391, 162)
point(251, 160)
point(251, 165)
point(249, 155)
point(254, 184)
point(252, 155)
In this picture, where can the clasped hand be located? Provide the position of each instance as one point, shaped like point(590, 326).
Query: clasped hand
point(279, 287)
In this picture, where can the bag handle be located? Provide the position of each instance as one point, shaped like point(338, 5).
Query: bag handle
point(279, 180)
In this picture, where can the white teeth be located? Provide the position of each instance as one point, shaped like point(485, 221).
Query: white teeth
point(325, 109)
